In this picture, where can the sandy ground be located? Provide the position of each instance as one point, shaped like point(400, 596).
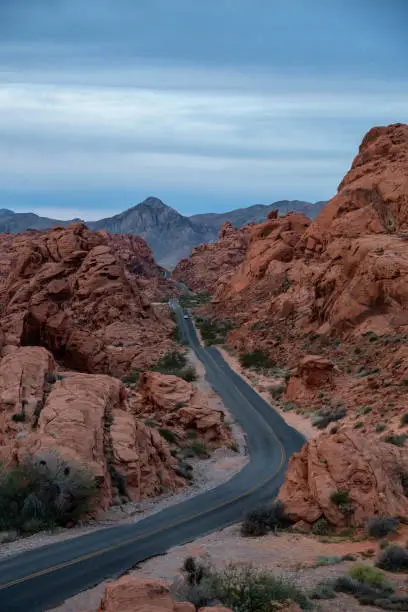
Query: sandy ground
point(275, 553)
point(208, 473)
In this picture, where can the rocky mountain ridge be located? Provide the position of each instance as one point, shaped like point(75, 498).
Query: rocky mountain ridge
point(170, 235)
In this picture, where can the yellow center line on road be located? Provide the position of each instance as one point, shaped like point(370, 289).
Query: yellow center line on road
point(102, 551)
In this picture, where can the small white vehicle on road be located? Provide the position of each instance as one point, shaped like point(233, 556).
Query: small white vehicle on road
point(186, 316)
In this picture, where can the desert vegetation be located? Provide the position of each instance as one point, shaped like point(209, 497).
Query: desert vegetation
point(242, 588)
point(44, 492)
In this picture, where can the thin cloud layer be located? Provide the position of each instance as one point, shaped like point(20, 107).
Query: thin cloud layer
point(90, 105)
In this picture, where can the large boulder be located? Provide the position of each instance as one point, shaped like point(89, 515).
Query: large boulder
point(373, 473)
point(130, 594)
point(179, 405)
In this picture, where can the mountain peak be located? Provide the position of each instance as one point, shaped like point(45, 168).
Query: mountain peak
point(154, 203)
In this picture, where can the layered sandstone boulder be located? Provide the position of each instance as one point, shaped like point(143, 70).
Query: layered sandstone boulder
point(214, 260)
point(176, 404)
point(85, 418)
point(374, 474)
point(129, 594)
point(69, 291)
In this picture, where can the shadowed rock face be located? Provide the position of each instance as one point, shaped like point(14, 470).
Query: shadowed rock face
point(209, 262)
point(76, 292)
point(372, 474)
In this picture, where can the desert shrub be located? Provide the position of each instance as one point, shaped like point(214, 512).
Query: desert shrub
point(262, 520)
point(168, 435)
point(404, 419)
point(189, 374)
point(19, 417)
point(397, 440)
point(369, 595)
point(381, 526)
point(327, 415)
point(380, 427)
point(276, 391)
point(339, 497)
point(321, 561)
point(369, 575)
point(190, 300)
point(48, 490)
point(393, 559)
point(239, 587)
point(246, 589)
point(200, 449)
point(213, 331)
point(175, 363)
point(322, 527)
point(132, 378)
point(323, 590)
point(257, 359)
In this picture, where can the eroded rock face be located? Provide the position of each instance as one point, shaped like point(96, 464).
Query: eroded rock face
point(85, 418)
point(336, 287)
point(70, 291)
point(214, 260)
point(174, 403)
point(129, 594)
point(372, 473)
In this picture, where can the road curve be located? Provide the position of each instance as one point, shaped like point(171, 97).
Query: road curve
point(41, 579)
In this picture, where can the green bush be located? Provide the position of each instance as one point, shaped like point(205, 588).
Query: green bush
point(132, 378)
point(367, 574)
point(393, 559)
point(381, 526)
point(322, 527)
point(262, 520)
point(189, 374)
point(397, 440)
point(323, 590)
point(200, 449)
point(175, 363)
point(19, 417)
point(44, 491)
point(380, 427)
point(322, 560)
point(213, 331)
point(246, 589)
point(167, 435)
point(340, 497)
point(257, 359)
point(404, 419)
point(327, 415)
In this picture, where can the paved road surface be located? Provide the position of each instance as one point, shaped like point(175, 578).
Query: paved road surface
point(38, 580)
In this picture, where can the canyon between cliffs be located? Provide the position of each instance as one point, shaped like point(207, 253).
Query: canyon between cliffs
point(302, 323)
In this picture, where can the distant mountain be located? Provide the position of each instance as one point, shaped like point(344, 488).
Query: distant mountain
point(170, 235)
point(13, 223)
point(257, 213)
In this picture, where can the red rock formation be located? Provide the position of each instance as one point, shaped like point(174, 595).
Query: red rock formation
point(179, 406)
point(69, 290)
point(85, 418)
point(210, 262)
point(337, 286)
point(373, 474)
point(129, 594)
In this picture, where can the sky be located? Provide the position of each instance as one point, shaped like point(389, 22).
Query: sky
point(209, 105)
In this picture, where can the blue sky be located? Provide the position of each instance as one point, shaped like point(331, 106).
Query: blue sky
point(208, 105)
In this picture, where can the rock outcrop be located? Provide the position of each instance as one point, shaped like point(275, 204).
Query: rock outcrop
point(214, 260)
point(177, 405)
point(336, 287)
point(373, 474)
point(69, 291)
point(85, 418)
point(129, 594)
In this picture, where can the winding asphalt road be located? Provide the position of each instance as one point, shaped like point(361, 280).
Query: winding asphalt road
point(40, 579)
